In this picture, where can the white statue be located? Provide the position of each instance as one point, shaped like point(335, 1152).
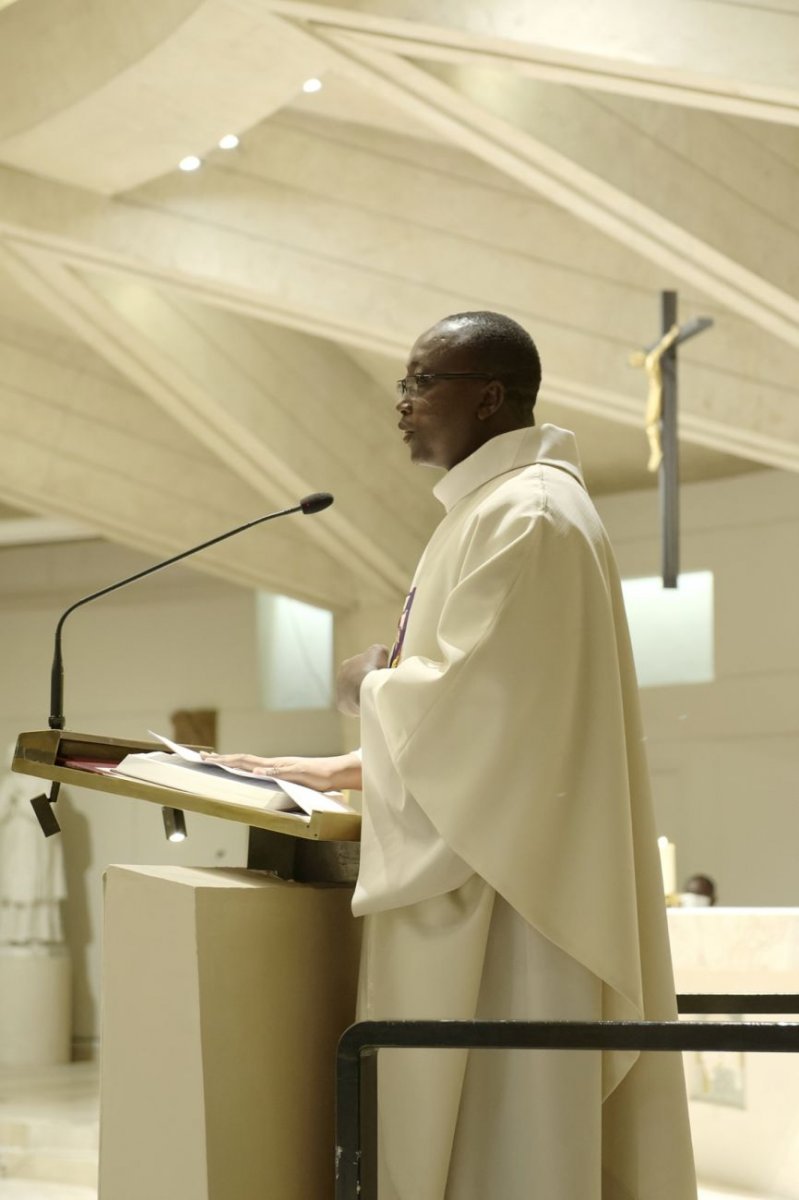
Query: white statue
point(32, 881)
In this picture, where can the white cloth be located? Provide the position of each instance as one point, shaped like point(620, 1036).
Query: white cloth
point(32, 880)
point(509, 863)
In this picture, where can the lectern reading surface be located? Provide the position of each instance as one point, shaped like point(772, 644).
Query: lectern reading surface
point(68, 758)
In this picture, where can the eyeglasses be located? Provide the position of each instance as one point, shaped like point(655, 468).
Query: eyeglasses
point(411, 385)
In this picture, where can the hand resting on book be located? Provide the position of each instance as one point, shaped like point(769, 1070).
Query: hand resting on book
point(337, 773)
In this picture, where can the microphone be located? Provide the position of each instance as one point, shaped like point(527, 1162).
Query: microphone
point(43, 805)
point(314, 503)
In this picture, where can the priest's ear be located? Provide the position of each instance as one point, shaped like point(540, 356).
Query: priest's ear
point(491, 400)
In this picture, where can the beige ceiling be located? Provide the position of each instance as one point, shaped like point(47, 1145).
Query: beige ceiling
point(181, 351)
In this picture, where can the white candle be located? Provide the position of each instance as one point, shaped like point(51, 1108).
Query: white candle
point(668, 865)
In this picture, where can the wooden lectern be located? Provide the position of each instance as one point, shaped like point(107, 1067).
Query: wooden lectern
point(224, 995)
point(322, 848)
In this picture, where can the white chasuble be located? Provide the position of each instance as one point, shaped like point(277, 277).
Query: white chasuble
point(509, 865)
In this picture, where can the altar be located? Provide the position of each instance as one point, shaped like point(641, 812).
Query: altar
point(744, 1107)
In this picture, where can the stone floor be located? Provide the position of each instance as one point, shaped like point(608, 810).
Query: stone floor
point(49, 1134)
point(49, 1126)
point(37, 1189)
point(709, 1193)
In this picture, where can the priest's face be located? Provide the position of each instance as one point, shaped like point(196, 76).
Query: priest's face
point(442, 419)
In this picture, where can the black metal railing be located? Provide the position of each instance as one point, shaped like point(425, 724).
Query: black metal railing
point(356, 1064)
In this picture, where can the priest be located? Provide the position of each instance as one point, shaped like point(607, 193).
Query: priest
point(509, 865)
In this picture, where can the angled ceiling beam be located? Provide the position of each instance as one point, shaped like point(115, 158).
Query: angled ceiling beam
point(276, 406)
point(569, 185)
point(773, 446)
point(249, 273)
point(30, 531)
point(180, 360)
point(543, 46)
point(68, 446)
point(79, 230)
point(349, 303)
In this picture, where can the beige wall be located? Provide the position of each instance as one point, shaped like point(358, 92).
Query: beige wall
point(185, 641)
point(725, 755)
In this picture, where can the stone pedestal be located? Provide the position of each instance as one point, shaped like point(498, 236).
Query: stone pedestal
point(35, 1006)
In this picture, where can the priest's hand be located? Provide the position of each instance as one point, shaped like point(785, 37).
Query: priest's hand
point(337, 773)
point(351, 675)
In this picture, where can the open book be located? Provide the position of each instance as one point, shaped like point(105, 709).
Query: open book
point(185, 770)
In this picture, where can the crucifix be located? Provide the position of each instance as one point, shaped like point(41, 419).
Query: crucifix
point(660, 363)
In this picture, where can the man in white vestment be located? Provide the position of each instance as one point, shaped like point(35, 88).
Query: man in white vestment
point(509, 865)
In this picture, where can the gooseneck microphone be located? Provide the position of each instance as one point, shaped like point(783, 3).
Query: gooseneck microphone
point(310, 504)
point(314, 503)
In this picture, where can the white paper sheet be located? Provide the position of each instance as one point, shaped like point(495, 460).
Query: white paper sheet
point(308, 799)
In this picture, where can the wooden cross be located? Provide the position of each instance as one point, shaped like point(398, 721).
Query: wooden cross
point(668, 471)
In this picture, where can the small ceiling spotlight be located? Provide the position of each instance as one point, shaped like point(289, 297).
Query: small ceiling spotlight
point(190, 163)
point(174, 824)
point(312, 85)
point(228, 142)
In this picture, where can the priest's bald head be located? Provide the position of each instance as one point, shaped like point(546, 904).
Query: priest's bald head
point(469, 378)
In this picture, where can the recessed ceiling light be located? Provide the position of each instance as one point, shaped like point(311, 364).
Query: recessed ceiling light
point(190, 163)
point(228, 142)
point(312, 85)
